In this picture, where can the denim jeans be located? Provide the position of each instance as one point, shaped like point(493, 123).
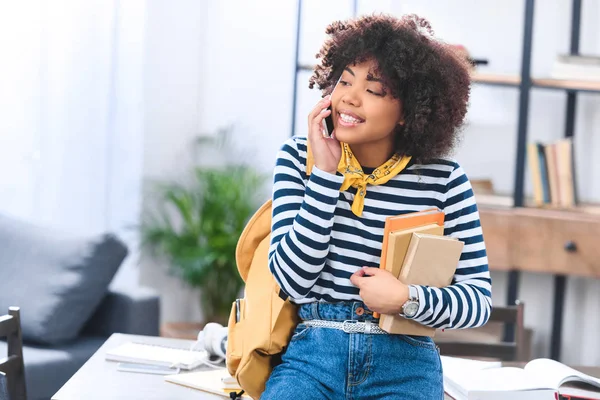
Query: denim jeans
point(326, 363)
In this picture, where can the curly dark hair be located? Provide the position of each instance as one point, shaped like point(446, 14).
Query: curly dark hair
point(427, 75)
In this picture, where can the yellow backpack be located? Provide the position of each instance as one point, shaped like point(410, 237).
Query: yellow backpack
point(261, 324)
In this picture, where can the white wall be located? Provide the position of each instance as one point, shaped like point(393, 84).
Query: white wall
point(172, 76)
point(238, 68)
point(70, 117)
point(211, 65)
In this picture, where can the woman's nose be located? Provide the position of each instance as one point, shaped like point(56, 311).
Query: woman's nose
point(351, 98)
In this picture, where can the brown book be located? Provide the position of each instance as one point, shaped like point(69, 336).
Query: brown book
point(407, 221)
point(431, 260)
point(550, 151)
point(398, 245)
point(564, 161)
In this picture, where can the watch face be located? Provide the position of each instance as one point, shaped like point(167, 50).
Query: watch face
point(411, 309)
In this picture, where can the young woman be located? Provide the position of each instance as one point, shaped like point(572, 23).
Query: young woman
point(397, 109)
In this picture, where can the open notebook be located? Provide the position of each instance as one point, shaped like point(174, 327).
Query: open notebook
point(157, 355)
point(216, 381)
point(540, 379)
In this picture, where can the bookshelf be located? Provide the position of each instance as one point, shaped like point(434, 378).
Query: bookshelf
point(505, 219)
point(543, 83)
point(563, 248)
point(496, 79)
point(570, 85)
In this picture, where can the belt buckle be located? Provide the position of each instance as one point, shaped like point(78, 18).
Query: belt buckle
point(346, 325)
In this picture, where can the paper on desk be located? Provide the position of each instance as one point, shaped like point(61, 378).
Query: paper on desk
point(210, 381)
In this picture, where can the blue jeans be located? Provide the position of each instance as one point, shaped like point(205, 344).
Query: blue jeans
point(325, 363)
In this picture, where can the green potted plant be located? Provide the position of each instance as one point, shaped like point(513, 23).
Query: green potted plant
point(196, 226)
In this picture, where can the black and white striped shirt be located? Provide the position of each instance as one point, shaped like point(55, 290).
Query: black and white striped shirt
point(317, 243)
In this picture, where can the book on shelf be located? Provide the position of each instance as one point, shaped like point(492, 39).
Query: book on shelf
point(552, 171)
point(541, 378)
point(552, 168)
point(576, 67)
point(419, 254)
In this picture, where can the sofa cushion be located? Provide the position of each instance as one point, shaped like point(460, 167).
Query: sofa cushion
point(48, 369)
point(56, 279)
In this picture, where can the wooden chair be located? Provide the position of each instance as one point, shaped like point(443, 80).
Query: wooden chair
point(12, 365)
point(486, 342)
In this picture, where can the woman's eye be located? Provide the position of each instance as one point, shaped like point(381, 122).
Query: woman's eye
point(375, 93)
point(344, 83)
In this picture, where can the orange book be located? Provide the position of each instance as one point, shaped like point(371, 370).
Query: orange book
point(407, 221)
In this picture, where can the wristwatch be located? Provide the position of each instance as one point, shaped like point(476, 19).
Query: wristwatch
point(411, 307)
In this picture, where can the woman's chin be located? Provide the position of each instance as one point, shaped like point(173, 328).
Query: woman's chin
point(347, 137)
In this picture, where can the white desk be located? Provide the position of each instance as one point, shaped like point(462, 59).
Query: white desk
point(99, 379)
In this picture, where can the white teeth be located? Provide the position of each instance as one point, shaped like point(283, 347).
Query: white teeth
point(349, 119)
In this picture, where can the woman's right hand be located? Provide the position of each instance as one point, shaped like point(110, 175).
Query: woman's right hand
point(326, 151)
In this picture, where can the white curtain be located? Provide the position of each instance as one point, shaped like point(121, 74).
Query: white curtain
point(71, 114)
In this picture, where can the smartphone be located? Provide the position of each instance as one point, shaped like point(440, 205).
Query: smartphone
point(328, 124)
point(328, 121)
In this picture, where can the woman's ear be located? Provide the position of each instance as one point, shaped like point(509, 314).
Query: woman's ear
point(401, 120)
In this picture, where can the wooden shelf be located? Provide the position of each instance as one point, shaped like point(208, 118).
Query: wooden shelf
point(515, 81)
point(567, 84)
point(493, 200)
point(496, 79)
point(505, 201)
point(541, 239)
point(544, 83)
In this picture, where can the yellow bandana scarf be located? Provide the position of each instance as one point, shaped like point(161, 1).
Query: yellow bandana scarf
point(355, 177)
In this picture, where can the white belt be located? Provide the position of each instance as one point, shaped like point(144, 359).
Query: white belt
point(348, 326)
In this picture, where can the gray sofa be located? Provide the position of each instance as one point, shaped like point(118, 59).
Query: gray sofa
point(61, 283)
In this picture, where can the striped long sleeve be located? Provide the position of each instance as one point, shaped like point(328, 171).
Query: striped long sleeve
point(467, 302)
point(317, 243)
point(302, 220)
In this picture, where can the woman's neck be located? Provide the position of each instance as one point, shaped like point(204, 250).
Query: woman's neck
point(373, 154)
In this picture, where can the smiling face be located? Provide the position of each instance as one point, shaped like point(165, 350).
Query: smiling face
point(364, 112)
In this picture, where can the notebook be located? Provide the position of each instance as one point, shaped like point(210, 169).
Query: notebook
point(217, 381)
point(157, 355)
point(399, 241)
point(431, 260)
point(406, 221)
point(539, 379)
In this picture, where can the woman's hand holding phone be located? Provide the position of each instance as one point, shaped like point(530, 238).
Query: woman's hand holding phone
point(326, 150)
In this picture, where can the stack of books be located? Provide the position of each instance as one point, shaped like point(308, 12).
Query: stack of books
point(416, 251)
point(553, 173)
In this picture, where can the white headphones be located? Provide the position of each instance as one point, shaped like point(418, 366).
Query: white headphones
point(213, 340)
